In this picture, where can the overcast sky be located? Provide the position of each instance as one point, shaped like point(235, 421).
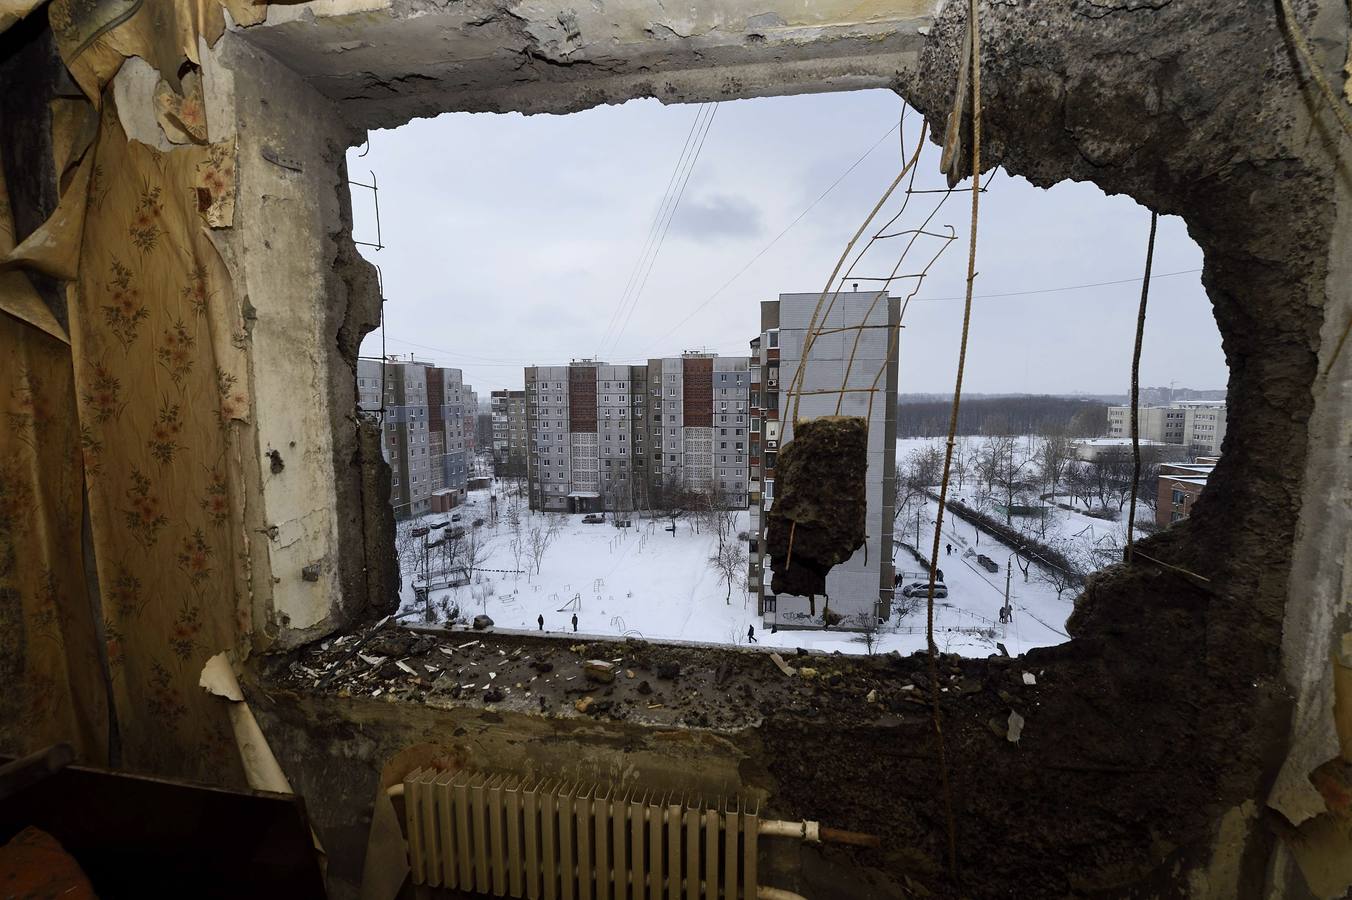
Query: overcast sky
point(509, 241)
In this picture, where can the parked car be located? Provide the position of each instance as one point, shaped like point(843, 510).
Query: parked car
point(921, 589)
point(455, 517)
point(593, 519)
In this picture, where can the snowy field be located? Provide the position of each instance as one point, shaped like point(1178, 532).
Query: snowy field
point(647, 582)
point(1092, 541)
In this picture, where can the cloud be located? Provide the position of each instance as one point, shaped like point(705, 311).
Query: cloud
point(719, 216)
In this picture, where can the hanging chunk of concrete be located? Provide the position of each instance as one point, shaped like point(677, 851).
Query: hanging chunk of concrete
point(817, 518)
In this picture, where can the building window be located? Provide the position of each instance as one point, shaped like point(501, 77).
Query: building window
point(1179, 497)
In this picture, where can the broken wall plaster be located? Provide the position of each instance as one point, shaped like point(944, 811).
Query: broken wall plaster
point(1201, 133)
point(289, 343)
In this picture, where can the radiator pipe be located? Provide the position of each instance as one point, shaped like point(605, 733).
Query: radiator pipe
point(815, 833)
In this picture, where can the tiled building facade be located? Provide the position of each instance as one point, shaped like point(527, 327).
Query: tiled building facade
point(604, 437)
point(423, 431)
point(509, 432)
point(864, 361)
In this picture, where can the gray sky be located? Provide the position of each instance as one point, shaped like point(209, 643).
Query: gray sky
point(510, 240)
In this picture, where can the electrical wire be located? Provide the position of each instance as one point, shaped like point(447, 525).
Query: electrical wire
point(658, 215)
point(523, 361)
point(796, 219)
point(1053, 290)
point(633, 304)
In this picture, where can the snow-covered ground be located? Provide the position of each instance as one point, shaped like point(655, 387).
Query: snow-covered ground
point(1072, 531)
point(647, 582)
point(641, 581)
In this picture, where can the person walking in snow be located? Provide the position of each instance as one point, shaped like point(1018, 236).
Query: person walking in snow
point(575, 623)
point(948, 550)
point(751, 635)
point(541, 620)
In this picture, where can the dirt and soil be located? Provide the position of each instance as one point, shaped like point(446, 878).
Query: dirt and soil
point(818, 517)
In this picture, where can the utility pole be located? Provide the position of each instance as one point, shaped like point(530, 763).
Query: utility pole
point(917, 529)
point(1009, 570)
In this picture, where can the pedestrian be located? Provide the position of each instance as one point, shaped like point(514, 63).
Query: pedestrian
point(948, 551)
point(574, 623)
point(751, 635)
point(541, 620)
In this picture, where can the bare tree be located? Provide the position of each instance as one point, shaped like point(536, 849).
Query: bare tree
point(918, 473)
point(959, 465)
point(408, 548)
point(1053, 456)
point(1068, 577)
point(1005, 466)
point(730, 563)
point(474, 552)
point(702, 508)
point(870, 631)
point(538, 540)
point(1080, 483)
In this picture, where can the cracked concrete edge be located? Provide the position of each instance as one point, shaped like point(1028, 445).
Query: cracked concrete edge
point(602, 57)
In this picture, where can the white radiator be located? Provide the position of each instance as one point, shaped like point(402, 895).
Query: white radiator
point(559, 840)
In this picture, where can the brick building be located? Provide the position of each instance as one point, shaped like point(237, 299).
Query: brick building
point(1180, 484)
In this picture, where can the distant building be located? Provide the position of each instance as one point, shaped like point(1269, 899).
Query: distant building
point(604, 437)
point(469, 419)
point(1198, 425)
point(422, 431)
point(1096, 449)
point(1180, 484)
point(509, 432)
point(861, 586)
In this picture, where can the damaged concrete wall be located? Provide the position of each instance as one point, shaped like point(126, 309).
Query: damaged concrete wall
point(387, 61)
point(1169, 719)
point(308, 299)
point(1206, 113)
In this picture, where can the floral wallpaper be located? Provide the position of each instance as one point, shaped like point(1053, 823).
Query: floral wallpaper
point(123, 556)
point(157, 352)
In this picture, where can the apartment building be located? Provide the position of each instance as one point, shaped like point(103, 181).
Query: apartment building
point(422, 431)
point(623, 437)
point(508, 409)
point(1180, 484)
point(857, 353)
point(1198, 425)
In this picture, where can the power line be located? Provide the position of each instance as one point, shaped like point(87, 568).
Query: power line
point(662, 238)
point(658, 216)
point(1052, 290)
point(798, 218)
point(507, 363)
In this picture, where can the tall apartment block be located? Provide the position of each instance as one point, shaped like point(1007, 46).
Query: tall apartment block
point(1196, 424)
point(604, 437)
point(863, 361)
point(509, 432)
point(422, 431)
point(469, 418)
